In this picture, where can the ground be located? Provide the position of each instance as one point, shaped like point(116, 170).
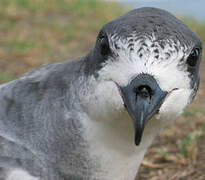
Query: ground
point(45, 31)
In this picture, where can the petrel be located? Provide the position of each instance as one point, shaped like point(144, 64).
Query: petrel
point(94, 117)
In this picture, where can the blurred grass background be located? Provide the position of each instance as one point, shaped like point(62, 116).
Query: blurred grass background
point(42, 31)
point(38, 32)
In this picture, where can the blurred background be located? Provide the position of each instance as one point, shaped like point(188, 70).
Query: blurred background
point(33, 33)
point(188, 8)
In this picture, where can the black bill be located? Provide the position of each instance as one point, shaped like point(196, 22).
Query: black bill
point(142, 98)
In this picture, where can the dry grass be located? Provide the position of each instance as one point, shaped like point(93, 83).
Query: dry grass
point(37, 32)
point(44, 31)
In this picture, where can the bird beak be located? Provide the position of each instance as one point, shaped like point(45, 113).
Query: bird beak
point(142, 98)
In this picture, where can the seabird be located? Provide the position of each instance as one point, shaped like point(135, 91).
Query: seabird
point(94, 117)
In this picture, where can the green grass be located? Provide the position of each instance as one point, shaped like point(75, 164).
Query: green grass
point(5, 77)
point(27, 25)
point(19, 46)
point(203, 128)
point(192, 112)
point(23, 4)
point(163, 154)
point(42, 31)
point(191, 139)
point(6, 25)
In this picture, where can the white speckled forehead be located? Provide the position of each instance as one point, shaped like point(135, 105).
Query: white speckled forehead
point(145, 54)
point(147, 46)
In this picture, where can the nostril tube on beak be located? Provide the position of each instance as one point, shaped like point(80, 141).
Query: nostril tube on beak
point(142, 98)
point(144, 91)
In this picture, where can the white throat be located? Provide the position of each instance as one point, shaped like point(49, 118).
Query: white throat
point(110, 134)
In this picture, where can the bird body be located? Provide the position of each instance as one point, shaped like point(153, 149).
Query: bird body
point(74, 120)
point(31, 113)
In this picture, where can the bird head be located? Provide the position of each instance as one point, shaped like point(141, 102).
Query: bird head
point(153, 59)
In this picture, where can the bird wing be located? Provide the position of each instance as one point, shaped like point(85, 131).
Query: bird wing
point(37, 112)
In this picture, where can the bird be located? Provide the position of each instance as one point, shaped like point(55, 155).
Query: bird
point(93, 118)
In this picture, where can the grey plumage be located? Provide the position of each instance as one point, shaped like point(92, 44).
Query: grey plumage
point(36, 125)
point(42, 125)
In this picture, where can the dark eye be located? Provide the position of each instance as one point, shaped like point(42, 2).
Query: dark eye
point(193, 57)
point(104, 45)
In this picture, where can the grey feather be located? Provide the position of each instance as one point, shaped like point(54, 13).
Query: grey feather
point(41, 128)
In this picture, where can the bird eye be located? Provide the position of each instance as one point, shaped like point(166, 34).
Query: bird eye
point(104, 45)
point(193, 57)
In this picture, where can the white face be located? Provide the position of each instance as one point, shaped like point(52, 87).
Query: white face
point(145, 55)
point(143, 62)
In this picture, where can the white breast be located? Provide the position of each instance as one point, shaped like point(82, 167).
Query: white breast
point(113, 150)
point(110, 133)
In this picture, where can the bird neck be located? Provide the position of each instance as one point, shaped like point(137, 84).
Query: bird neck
point(110, 134)
point(112, 147)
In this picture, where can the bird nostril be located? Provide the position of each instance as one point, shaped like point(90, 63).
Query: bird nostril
point(144, 91)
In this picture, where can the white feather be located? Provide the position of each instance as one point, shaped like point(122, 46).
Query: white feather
point(18, 174)
point(110, 130)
